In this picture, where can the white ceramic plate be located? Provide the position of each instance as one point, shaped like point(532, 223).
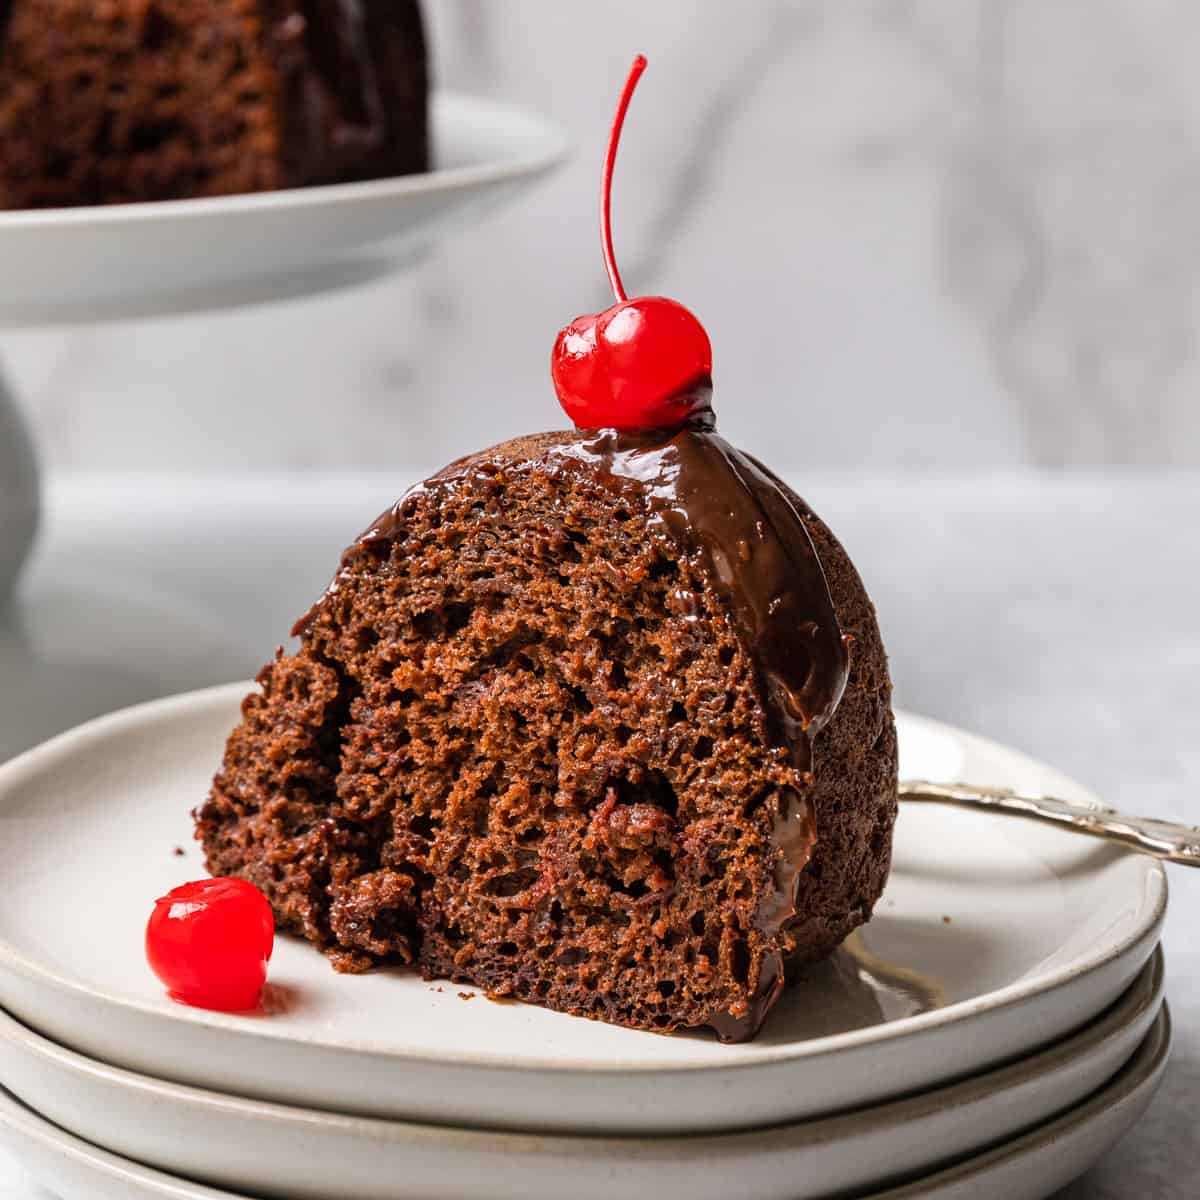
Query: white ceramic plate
point(1045, 930)
point(1030, 1167)
point(301, 1154)
point(176, 255)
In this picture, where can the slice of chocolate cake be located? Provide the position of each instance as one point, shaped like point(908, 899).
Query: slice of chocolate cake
point(599, 720)
point(574, 723)
point(104, 103)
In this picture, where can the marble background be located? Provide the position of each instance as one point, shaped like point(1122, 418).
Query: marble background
point(936, 243)
point(922, 233)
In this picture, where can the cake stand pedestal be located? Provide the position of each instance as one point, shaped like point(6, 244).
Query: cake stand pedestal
point(20, 499)
point(177, 256)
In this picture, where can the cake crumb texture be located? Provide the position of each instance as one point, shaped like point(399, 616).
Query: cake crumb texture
point(522, 747)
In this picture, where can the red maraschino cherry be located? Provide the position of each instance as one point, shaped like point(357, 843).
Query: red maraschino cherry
point(645, 362)
point(210, 942)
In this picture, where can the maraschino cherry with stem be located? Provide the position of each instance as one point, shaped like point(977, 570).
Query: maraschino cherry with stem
point(645, 363)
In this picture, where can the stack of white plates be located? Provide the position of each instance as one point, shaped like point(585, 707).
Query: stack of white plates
point(996, 1026)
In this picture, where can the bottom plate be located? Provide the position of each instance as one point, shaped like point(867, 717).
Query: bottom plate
point(1028, 1168)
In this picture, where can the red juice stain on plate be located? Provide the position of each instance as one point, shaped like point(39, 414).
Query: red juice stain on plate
point(645, 363)
point(210, 941)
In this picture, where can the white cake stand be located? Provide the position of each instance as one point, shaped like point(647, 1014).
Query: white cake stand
point(137, 260)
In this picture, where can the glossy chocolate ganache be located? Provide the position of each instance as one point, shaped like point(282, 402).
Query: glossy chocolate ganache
point(753, 549)
point(736, 522)
point(733, 515)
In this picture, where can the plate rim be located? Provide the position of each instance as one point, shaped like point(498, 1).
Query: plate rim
point(1144, 996)
point(1143, 1069)
point(1144, 1066)
point(165, 709)
point(446, 104)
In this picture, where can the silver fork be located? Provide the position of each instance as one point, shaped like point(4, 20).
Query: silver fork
point(1167, 840)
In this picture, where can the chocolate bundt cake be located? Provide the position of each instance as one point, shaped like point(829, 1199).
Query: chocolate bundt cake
point(124, 100)
point(596, 720)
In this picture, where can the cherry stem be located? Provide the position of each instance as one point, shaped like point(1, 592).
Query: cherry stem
point(610, 158)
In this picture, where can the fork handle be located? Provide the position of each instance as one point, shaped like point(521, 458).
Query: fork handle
point(1167, 840)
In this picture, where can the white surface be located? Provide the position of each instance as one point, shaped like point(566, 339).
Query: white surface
point(1028, 1168)
point(933, 232)
point(299, 1154)
point(1055, 610)
point(149, 259)
point(1045, 930)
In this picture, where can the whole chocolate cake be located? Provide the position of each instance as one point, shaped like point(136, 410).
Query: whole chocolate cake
point(598, 720)
point(125, 100)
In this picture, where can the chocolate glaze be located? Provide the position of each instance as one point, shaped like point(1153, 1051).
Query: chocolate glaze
point(753, 549)
point(750, 544)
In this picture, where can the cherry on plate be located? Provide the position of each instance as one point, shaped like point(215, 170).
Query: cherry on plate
point(210, 941)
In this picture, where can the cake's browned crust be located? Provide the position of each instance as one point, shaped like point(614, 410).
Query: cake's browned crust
point(855, 789)
point(110, 101)
point(509, 751)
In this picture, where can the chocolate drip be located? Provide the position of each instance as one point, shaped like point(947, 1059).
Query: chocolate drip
point(753, 549)
point(736, 523)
